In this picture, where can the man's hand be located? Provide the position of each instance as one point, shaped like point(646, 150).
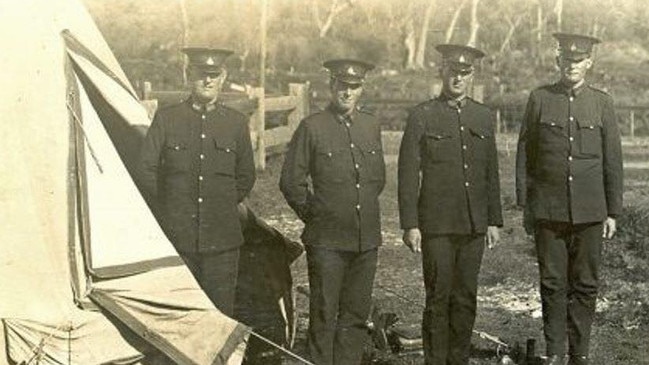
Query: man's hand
point(609, 228)
point(493, 237)
point(412, 239)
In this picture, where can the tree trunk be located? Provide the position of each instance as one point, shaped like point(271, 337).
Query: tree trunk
point(335, 8)
point(185, 29)
point(475, 25)
point(539, 31)
point(558, 11)
point(423, 36)
point(510, 33)
point(410, 44)
point(452, 24)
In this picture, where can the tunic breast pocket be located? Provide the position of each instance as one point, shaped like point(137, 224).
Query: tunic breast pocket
point(373, 161)
point(331, 164)
point(439, 146)
point(590, 134)
point(479, 143)
point(225, 157)
point(551, 132)
point(176, 156)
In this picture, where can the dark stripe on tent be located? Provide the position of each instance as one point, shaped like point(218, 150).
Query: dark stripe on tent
point(110, 272)
point(72, 101)
point(77, 47)
point(239, 332)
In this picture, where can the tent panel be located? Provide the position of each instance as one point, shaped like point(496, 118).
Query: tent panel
point(92, 340)
point(177, 318)
point(123, 232)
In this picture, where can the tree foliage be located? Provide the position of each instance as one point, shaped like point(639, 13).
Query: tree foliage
point(397, 35)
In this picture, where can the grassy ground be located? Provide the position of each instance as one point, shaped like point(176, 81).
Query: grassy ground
point(508, 300)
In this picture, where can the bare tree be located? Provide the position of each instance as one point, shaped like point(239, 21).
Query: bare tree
point(451, 26)
point(185, 37)
point(513, 25)
point(409, 43)
point(335, 8)
point(558, 11)
point(475, 25)
point(423, 36)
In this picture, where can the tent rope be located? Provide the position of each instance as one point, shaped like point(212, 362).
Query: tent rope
point(288, 352)
point(37, 350)
point(482, 334)
point(85, 137)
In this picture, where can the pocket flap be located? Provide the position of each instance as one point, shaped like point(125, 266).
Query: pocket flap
point(482, 134)
point(225, 146)
point(552, 123)
point(437, 136)
point(589, 124)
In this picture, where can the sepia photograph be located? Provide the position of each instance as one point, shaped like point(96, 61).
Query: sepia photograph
point(324, 182)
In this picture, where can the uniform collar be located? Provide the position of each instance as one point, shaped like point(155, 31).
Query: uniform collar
point(452, 102)
point(572, 91)
point(202, 108)
point(341, 118)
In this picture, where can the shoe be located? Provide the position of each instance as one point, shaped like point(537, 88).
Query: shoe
point(578, 360)
point(555, 360)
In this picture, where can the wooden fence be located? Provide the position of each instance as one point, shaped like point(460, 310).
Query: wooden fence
point(257, 105)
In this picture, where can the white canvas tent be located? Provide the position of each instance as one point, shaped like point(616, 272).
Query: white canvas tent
point(86, 274)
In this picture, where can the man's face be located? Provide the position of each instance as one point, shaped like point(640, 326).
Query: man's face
point(345, 95)
point(573, 69)
point(456, 80)
point(205, 85)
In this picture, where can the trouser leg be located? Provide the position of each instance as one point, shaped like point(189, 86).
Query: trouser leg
point(217, 274)
point(354, 308)
point(326, 271)
point(552, 239)
point(584, 253)
point(438, 257)
point(463, 301)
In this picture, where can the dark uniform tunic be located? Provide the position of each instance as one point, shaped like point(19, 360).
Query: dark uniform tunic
point(569, 157)
point(569, 178)
point(451, 145)
point(454, 149)
point(342, 159)
point(197, 165)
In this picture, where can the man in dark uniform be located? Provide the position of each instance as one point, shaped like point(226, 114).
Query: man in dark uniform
point(339, 150)
point(569, 179)
point(197, 165)
point(449, 144)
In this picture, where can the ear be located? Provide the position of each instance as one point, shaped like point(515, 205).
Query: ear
point(589, 63)
point(557, 59)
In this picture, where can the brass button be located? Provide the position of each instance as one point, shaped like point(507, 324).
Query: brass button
point(466, 183)
point(202, 156)
point(200, 200)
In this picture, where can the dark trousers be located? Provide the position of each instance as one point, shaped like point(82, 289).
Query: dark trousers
point(569, 256)
point(339, 304)
point(217, 274)
point(451, 265)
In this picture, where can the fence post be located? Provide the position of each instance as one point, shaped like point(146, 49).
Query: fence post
point(632, 126)
point(301, 94)
point(146, 90)
point(257, 127)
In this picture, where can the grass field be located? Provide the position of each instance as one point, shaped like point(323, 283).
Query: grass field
point(508, 300)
